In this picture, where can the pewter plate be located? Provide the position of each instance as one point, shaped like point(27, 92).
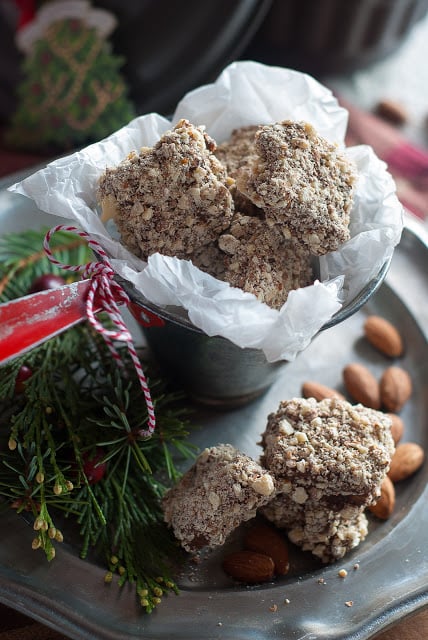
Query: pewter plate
point(392, 580)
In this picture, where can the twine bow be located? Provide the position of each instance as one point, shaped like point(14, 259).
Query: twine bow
point(109, 294)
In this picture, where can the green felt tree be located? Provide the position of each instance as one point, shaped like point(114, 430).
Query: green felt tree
point(72, 92)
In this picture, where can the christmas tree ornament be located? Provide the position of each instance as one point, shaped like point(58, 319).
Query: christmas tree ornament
point(93, 466)
point(46, 281)
point(22, 376)
point(72, 91)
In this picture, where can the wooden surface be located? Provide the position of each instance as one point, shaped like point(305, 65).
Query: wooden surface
point(15, 626)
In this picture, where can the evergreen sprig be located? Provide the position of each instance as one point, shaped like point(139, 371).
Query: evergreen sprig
point(73, 450)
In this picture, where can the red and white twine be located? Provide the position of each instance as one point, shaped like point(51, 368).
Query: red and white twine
point(109, 295)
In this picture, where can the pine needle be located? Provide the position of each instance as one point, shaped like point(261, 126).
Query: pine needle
point(71, 443)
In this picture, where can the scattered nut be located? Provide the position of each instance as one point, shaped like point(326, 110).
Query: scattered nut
point(319, 391)
point(393, 111)
point(397, 427)
point(264, 539)
point(249, 567)
point(407, 459)
point(361, 385)
point(383, 336)
point(395, 388)
point(386, 503)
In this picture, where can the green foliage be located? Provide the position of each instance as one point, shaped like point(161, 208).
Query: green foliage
point(22, 259)
point(76, 405)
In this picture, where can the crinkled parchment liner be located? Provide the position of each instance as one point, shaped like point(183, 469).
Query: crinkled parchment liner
point(245, 93)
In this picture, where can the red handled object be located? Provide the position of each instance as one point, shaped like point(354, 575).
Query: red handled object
point(27, 322)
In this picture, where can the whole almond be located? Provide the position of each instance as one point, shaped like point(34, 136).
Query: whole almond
point(249, 567)
point(397, 427)
point(407, 459)
point(393, 111)
point(264, 539)
point(319, 391)
point(386, 502)
point(395, 388)
point(361, 385)
point(383, 336)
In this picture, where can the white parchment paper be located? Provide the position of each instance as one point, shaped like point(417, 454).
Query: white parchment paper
point(245, 93)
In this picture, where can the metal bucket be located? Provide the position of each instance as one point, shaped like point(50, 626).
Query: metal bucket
point(213, 370)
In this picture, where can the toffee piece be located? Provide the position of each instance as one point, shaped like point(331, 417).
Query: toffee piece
point(222, 489)
point(302, 182)
point(171, 198)
point(259, 260)
point(234, 154)
point(329, 459)
point(329, 447)
point(329, 534)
